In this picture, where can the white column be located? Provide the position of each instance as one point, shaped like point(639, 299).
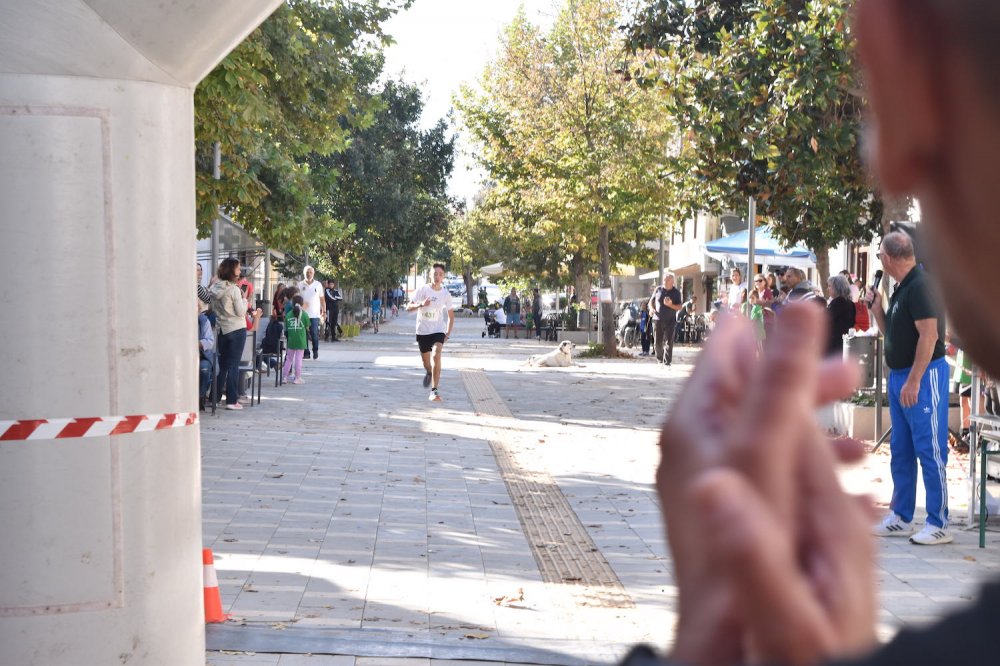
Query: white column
point(101, 542)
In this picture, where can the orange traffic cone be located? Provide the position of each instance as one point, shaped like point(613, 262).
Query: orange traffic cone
point(213, 600)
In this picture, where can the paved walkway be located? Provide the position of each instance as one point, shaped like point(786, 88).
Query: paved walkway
point(355, 523)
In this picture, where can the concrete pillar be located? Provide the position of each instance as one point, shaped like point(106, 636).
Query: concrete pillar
point(99, 560)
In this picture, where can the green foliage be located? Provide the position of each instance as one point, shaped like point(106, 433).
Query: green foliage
point(295, 87)
point(573, 147)
point(766, 96)
point(593, 350)
point(391, 191)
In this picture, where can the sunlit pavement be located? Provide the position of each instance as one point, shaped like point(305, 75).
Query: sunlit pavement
point(351, 515)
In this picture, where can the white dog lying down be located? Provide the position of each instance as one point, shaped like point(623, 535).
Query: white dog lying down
point(560, 357)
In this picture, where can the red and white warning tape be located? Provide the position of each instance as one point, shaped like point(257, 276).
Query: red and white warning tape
point(97, 426)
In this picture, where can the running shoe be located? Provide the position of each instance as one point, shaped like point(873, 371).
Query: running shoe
point(298, 380)
point(434, 397)
point(235, 405)
point(893, 526)
point(931, 535)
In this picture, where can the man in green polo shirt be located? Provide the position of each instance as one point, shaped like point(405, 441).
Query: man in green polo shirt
point(918, 394)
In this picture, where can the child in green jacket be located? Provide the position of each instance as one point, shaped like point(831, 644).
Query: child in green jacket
point(296, 325)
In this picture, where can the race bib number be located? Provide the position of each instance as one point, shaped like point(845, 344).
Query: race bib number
point(432, 314)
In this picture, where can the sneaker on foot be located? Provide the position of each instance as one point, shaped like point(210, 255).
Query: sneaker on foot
point(931, 535)
point(434, 397)
point(298, 380)
point(893, 526)
point(235, 405)
point(427, 380)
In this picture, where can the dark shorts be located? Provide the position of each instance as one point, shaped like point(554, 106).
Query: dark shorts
point(427, 342)
point(965, 391)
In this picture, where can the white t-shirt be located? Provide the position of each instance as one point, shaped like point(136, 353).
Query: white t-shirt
point(312, 295)
point(500, 316)
point(432, 318)
point(736, 295)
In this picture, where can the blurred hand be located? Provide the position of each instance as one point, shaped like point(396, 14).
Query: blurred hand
point(773, 561)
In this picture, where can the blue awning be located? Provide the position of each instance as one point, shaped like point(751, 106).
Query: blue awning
point(767, 250)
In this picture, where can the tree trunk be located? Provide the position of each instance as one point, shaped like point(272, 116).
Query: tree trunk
point(470, 286)
point(822, 267)
point(607, 309)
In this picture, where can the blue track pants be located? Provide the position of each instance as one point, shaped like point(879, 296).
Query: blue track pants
point(920, 433)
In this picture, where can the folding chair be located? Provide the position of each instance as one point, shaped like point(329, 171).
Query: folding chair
point(248, 365)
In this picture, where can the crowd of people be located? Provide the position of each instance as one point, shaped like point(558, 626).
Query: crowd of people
point(226, 316)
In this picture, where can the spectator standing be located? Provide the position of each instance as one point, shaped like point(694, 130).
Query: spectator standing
point(645, 329)
point(772, 284)
point(278, 303)
point(664, 304)
point(862, 320)
point(961, 380)
point(736, 290)
point(918, 394)
point(314, 305)
point(206, 356)
point(204, 298)
point(512, 308)
point(841, 312)
point(297, 323)
point(376, 305)
point(291, 292)
point(765, 297)
point(536, 313)
point(230, 309)
point(333, 298)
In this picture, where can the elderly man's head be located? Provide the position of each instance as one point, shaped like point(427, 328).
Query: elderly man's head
point(792, 277)
point(931, 72)
point(896, 254)
point(669, 280)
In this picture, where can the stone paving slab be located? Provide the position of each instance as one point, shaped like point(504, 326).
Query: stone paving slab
point(351, 503)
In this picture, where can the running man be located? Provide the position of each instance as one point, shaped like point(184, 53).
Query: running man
point(433, 304)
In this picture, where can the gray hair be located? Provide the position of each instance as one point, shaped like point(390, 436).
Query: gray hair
point(839, 286)
point(670, 275)
point(897, 245)
point(797, 272)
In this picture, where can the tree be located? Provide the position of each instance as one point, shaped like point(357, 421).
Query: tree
point(574, 146)
point(391, 190)
point(766, 96)
point(297, 86)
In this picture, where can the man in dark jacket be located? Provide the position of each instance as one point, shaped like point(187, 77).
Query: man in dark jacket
point(333, 298)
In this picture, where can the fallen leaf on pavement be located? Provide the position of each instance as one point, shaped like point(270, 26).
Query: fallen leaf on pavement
point(506, 601)
point(478, 637)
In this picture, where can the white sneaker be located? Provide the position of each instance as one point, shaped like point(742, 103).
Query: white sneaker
point(893, 526)
point(931, 535)
point(434, 397)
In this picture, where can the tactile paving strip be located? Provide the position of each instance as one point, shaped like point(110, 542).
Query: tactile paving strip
point(563, 550)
